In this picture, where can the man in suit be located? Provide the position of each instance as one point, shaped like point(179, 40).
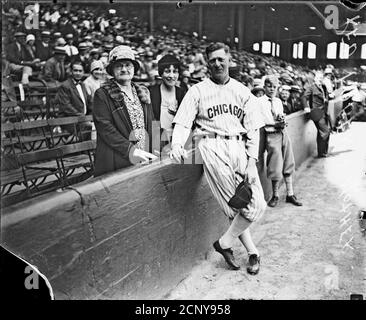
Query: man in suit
point(54, 69)
point(315, 98)
point(20, 58)
point(43, 47)
point(72, 100)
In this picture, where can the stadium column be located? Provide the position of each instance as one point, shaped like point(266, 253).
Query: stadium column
point(241, 30)
point(200, 20)
point(232, 23)
point(151, 16)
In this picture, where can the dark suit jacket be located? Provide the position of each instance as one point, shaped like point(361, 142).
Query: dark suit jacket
point(52, 71)
point(315, 96)
point(42, 52)
point(317, 100)
point(114, 127)
point(69, 101)
point(14, 55)
point(155, 94)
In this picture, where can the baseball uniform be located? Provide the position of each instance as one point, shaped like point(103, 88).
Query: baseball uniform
point(223, 114)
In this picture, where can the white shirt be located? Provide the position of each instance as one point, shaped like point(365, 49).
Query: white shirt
point(81, 94)
point(71, 50)
point(265, 106)
point(92, 84)
point(166, 118)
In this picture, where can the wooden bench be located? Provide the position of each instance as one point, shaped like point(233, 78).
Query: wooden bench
point(77, 161)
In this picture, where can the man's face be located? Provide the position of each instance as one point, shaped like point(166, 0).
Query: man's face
point(285, 94)
point(77, 72)
point(60, 57)
point(20, 39)
point(46, 39)
point(123, 70)
point(69, 41)
point(170, 76)
point(218, 62)
point(270, 89)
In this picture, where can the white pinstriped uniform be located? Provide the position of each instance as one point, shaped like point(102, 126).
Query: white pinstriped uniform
point(229, 109)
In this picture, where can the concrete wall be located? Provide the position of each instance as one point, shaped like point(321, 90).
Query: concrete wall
point(133, 234)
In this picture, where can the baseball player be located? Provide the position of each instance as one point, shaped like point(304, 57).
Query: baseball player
point(227, 129)
point(280, 158)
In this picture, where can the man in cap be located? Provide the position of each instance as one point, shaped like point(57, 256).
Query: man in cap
point(295, 98)
point(43, 48)
point(54, 69)
point(258, 89)
point(280, 157)
point(71, 50)
point(328, 81)
point(83, 56)
point(17, 54)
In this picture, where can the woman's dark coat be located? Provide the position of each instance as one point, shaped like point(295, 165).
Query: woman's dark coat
point(113, 125)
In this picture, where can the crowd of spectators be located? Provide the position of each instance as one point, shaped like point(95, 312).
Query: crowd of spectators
point(88, 35)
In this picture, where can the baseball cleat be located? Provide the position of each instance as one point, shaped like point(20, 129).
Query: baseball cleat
point(273, 202)
point(227, 254)
point(292, 199)
point(254, 264)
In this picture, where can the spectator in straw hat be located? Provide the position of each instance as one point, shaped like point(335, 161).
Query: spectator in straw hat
point(43, 48)
point(122, 116)
point(54, 69)
point(94, 81)
point(18, 55)
point(84, 57)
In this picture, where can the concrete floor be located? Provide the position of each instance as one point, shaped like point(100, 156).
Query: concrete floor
point(316, 251)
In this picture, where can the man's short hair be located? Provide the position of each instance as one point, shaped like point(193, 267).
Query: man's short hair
point(76, 63)
point(271, 79)
point(214, 46)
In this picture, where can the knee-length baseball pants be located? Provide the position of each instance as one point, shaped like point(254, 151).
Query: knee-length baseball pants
point(221, 159)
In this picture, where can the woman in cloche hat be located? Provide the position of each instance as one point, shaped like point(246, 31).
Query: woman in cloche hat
point(122, 116)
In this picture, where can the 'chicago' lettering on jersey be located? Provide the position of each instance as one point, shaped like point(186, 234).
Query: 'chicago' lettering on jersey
point(224, 108)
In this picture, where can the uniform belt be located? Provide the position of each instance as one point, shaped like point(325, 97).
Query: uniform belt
point(215, 135)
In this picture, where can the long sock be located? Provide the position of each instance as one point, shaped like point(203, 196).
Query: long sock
point(289, 188)
point(275, 187)
point(246, 240)
point(237, 226)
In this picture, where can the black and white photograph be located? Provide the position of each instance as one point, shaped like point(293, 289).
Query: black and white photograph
point(210, 151)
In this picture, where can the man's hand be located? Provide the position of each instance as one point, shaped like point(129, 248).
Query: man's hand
point(177, 153)
point(139, 156)
point(250, 171)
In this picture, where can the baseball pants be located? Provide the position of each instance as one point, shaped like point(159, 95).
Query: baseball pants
point(221, 159)
point(280, 158)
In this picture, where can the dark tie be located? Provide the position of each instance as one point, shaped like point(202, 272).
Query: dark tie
point(62, 71)
point(272, 108)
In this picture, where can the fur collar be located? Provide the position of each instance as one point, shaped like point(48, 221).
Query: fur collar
point(115, 92)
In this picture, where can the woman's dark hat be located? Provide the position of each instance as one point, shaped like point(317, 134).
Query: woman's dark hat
point(167, 61)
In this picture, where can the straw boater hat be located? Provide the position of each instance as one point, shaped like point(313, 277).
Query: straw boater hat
point(59, 50)
point(121, 53)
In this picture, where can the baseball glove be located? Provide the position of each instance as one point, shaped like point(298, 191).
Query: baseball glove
point(242, 196)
